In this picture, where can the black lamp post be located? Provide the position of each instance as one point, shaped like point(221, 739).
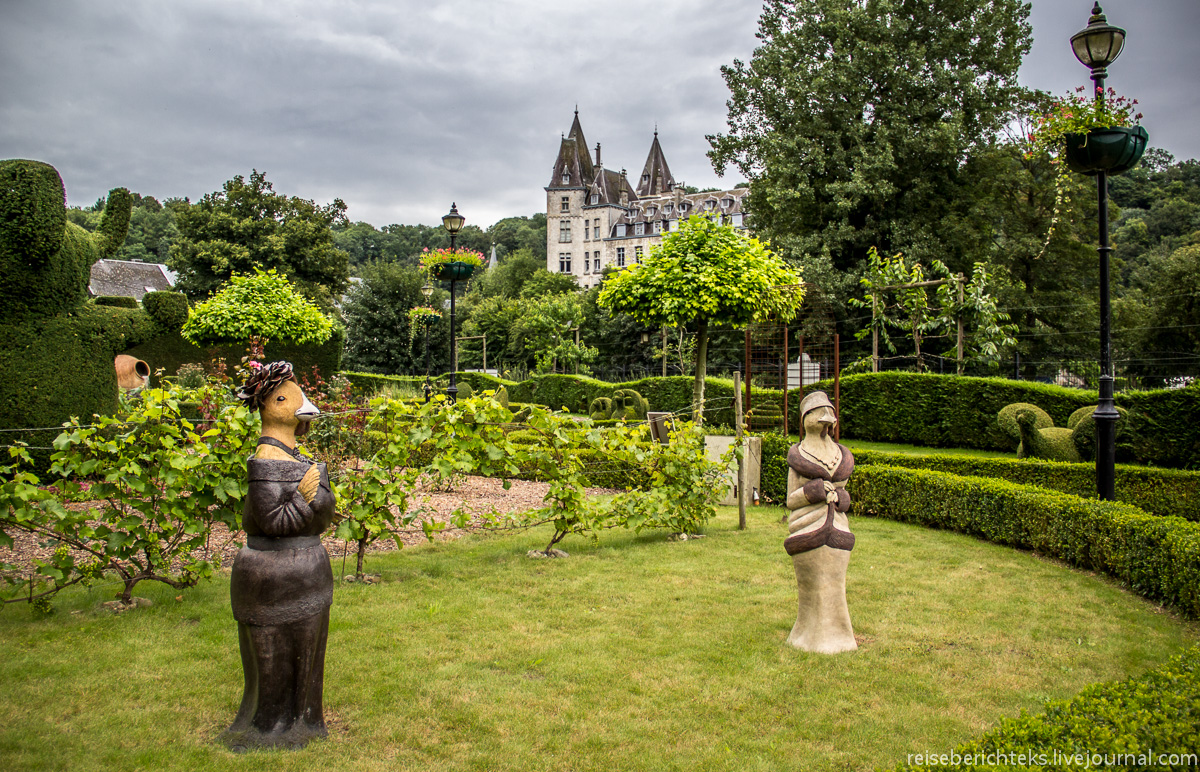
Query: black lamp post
point(427, 292)
point(453, 223)
point(1097, 46)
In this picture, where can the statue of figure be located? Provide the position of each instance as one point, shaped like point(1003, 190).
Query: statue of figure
point(282, 584)
point(819, 539)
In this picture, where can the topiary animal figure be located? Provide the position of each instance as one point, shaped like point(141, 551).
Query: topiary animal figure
point(57, 350)
point(1051, 443)
point(1007, 419)
point(601, 408)
point(627, 404)
point(1083, 431)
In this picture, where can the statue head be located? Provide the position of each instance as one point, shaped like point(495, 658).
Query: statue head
point(817, 414)
point(272, 390)
point(46, 261)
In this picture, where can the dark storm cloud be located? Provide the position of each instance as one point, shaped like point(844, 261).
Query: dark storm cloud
point(400, 108)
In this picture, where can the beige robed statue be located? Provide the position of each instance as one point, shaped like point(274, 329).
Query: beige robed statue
point(819, 539)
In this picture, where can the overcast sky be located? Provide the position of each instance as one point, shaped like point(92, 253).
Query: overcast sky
point(399, 107)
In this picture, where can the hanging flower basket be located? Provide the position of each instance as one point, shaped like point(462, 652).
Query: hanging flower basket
point(1114, 150)
point(451, 265)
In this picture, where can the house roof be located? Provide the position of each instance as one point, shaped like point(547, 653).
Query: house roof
point(129, 278)
point(656, 176)
point(573, 168)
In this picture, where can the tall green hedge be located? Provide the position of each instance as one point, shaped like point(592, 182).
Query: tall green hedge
point(170, 350)
point(953, 411)
point(1158, 557)
point(1165, 492)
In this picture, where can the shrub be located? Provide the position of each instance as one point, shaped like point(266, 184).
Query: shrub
point(170, 309)
point(1006, 420)
point(1164, 492)
point(1158, 557)
point(263, 305)
point(116, 301)
point(773, 480)
point(1124, 721)
point(601, 408)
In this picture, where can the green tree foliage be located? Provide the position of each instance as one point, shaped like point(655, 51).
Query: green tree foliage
point(546, 331)
point(404, 243)
point(705, 273)
point(261, 305)
point(509, 276)
point(543, 282)
point(852, 120)
point(247, 225)
point(379, 338)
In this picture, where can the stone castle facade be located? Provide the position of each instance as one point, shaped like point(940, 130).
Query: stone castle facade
point(596, 219)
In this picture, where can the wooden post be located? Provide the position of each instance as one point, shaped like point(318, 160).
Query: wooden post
point(786, 373)
point(801, 360)
point(741, 470)
point(874, 333)
point(962, 281)
point(837, 386)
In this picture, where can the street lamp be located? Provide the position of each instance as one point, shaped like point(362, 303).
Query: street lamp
point(427, 293)
point(1097, 46)
point(453, 223)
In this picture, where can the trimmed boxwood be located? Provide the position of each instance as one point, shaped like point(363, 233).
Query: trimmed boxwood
point(1154, 712)
point(1159, 557)
point(116, 301)
point(960, 411)
point(1164, 492)
point(170, 309)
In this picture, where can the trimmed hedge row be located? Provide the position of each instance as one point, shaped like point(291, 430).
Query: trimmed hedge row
point(953, 411)
point(1159, 557)
point(1121, 720)
point(1165, 492)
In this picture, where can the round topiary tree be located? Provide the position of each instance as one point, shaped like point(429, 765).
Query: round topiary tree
point(262, 305)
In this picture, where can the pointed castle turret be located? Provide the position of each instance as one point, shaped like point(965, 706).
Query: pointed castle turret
point(595, 219)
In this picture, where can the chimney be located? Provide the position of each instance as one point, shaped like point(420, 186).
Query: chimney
point(598, 165)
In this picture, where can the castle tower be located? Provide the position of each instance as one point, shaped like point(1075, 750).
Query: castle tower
point(656, 176)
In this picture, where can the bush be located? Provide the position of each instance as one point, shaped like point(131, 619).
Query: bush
point(1006, 419)
point(116, 301)
point(953, 411)
point(1158, 557)
point(601, 408)
point(1151, 713)
point(170, 309)
point(1163, 492)
point(773, 480)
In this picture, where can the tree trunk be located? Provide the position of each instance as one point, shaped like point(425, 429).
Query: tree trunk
point(362, 551)
point(701, 368)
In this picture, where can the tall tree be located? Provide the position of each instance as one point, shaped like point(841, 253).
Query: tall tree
point(700, 274)
point(380, 337)
point(853, 119)
point(247, 225)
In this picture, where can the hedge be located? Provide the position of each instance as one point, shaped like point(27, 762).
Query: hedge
point(960, 411)
point(1164, 492)
point(116, 301)
point(1159, 557)
point(1121, 720)
point(170, 351)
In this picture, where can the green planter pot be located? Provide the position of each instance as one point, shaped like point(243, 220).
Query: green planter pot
point(1113, 150)
point(455, 271)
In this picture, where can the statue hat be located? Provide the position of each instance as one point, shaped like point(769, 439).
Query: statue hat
point(814, 400)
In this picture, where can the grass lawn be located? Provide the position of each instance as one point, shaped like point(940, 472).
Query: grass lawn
point(633, 654)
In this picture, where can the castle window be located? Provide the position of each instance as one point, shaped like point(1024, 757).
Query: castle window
point(737, 220)
point(566, 178)
point(727, 202)
point(639, 229)
point(596, 263)
point(620, 257)
point(595, 199)
point(650, 212)
point(564, 231)
point(587, 262)
point(564, 262)
point(658, 226)
point(566, 204)
point(645, 178)
point(621, 230)
point(668, 208)
point(596, 228)
point(637, 254)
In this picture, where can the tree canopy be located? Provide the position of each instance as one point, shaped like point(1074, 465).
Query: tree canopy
point(262, 305)
point(246, 226)
point(705, 273)
point(853, 119)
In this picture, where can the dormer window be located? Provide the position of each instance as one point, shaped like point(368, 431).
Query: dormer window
point(727, 203)
point(650, 212)
point(658, 226)
point(566, 178)
point(710, 204)
point(668, 208)
point(645, 178)
point(594, 198)
point(639, 229)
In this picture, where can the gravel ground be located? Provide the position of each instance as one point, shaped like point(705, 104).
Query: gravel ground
point(479, 495)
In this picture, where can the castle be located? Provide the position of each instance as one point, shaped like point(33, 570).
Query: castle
point(596, 219)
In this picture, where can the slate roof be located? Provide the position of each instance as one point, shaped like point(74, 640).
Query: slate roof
point(656, 176)
point(607, 188)
point(128, 278)
point(573, 161)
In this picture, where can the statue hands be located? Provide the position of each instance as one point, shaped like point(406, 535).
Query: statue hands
point(311, 481)
point(831, 493)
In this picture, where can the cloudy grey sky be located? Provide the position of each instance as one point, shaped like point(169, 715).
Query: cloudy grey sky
point(399, 107)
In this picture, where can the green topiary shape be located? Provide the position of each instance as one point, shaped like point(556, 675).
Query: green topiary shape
point(116, 301)
point(464, 390)
point(601, 408)
point(502, 396)
point(1051, 443)
point(628, 404)
point(45, 261)
point(1007, 418)
point(170, 309)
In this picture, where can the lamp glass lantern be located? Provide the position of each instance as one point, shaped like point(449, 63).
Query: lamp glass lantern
point(453, 222)
point(1099, 43)
point(427, 291)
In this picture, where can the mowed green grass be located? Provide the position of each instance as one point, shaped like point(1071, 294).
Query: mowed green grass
point(633, 654)
point(920, 450)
